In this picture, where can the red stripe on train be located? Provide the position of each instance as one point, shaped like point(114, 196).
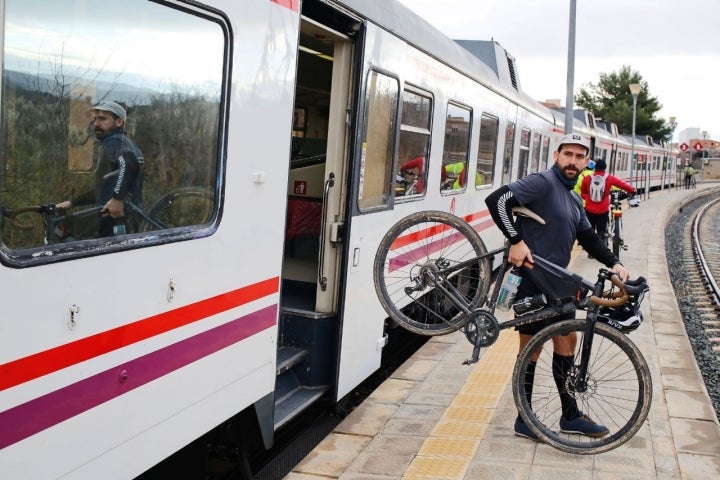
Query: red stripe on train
point(293, 5)
point(42, 363)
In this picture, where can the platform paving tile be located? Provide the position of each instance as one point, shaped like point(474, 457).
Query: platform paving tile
point(333, 455)
point(392, 391)
point(690, 405)
point(698, 467)
point(696, 436)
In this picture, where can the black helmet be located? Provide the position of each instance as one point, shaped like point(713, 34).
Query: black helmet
point(625, 318)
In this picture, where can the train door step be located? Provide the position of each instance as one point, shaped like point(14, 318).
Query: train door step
point(291, 396)
point(296, 402)
point(288, 357)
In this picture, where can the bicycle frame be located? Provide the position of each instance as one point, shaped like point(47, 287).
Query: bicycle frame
point(560, 308)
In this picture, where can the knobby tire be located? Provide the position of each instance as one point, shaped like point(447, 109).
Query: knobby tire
point(421, 250)
point(618, 394)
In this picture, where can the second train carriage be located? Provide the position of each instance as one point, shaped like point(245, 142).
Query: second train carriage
point(281, 140)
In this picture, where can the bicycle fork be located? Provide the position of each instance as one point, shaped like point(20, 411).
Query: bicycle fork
point(580, 383)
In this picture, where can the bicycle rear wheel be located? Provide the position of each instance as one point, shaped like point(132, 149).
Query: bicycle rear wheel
point(182, 207)
point(420, 252)
point(618, 393)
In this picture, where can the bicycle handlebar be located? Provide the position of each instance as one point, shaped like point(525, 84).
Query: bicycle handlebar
point(626, 290)
point(11, 213)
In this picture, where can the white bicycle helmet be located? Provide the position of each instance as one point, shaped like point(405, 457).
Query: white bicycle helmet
point(625, 318)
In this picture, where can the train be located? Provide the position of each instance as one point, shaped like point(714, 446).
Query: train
point(281, 140)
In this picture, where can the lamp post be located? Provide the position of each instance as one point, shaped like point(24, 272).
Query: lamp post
point(672, 124)
point(634, 90)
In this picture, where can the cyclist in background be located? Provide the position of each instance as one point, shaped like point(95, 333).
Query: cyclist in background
point(689, 172)
point(597, 203)
point(550, 195)
point(118, 177)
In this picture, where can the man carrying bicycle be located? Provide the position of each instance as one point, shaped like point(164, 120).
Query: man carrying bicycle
point(550, 194)
point(118, 177)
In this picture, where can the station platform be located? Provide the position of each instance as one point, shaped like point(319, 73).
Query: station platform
point(435, 418)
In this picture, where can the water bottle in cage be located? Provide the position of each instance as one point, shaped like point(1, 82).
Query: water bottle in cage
point(509, 290)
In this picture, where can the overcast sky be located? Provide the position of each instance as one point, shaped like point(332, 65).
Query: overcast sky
point(674, 45)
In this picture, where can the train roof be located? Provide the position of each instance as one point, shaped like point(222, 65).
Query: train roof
point(485, 61)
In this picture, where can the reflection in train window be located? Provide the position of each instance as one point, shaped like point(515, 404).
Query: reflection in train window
point(60, 59)
point(456, 149)
point(381, 104)
point(411, 173)
point(489, 127)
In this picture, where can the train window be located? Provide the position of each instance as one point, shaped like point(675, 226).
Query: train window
point(381, 105)
point(61, 59)
point(411, 174)
point(545, 153)
point(508, 152)
point(536, 152)
point(453, 175)
point(524, 156)
point(489, 127)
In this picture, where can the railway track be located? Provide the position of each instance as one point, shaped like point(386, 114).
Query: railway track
point(707, 258)
point(693, 258)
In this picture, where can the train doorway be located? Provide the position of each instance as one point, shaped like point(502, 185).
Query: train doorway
point(311, 277)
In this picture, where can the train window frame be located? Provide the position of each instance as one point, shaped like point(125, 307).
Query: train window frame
point(197, 189)
point(381, 164)
point(451, 170)
point(417, 171)
point(524, 152)
point(536, 151)
point(487, 151)
point(545, 152)
point(508, 152)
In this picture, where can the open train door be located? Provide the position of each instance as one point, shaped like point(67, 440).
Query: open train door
point(311, 278)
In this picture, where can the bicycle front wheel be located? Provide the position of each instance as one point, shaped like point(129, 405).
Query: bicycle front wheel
point(430, 270)
point(617, 391)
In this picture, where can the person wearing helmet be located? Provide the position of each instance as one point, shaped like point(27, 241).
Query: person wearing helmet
point(550, 195)
point(586, 171)
point(598, 208)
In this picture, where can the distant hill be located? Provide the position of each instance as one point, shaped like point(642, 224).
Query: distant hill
point(121, 92)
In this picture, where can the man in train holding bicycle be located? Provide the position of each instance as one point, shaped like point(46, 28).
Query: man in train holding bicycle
point(550, 195)
point(118, 177)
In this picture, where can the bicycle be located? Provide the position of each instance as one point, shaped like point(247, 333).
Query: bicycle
point(432, 273)
point(181, 207)
point(615, 229)
point(406, 183)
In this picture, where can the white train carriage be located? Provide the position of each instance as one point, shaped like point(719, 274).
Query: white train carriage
point(281, 141)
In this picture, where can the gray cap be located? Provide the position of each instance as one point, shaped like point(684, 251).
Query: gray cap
point(574, 139)
point(112, 107)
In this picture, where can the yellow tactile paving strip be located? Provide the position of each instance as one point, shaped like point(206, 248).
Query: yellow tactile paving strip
point(451, 446)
